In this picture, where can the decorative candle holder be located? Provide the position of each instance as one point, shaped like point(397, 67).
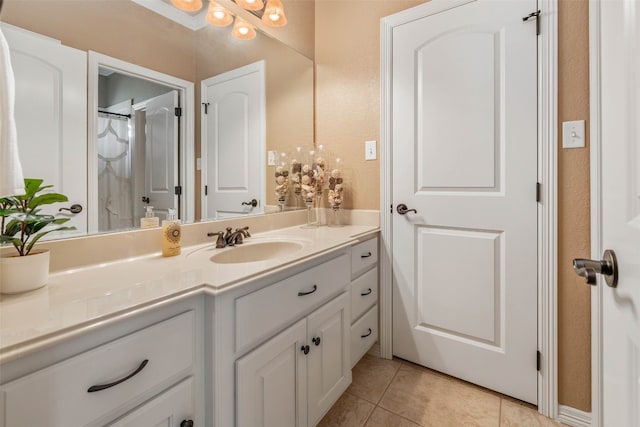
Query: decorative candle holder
point(335, 197)
point(308, 190)
point(282, 185)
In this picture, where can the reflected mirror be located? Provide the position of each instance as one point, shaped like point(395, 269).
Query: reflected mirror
point(136, 151)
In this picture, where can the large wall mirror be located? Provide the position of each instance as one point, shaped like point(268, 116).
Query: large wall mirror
point(123, 104)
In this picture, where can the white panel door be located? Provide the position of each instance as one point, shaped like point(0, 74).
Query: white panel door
point(169, 409)
point(329, 366)
point(51, 118)
point(464, 156)
point(161, 152)
point(620, 208)
point(233, 133)
point(271, 382)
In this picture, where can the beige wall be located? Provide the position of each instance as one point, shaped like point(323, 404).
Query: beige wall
point(347, 114)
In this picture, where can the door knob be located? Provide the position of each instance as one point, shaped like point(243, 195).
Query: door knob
point(402, 209)
point(253, 203)
point(608, 267)
point(74, 209)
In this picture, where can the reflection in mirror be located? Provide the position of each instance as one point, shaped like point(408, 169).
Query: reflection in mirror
point(186, 48)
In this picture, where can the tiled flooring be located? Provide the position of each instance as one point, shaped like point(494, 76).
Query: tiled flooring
point(396, 393)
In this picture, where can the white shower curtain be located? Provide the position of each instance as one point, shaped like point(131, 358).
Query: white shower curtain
point(115, 190)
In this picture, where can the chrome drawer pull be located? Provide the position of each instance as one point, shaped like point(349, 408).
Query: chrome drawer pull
point(315, 288)
point(367, 334)
point(100, 387)
point(367, 255)
point(368, 292)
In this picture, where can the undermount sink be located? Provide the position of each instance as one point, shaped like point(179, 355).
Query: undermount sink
point(260, 251)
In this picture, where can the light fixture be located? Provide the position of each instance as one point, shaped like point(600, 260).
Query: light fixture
point(274, 14)
point(218, 15)
point(242, 30)
point(250, 4)
point(188, 5)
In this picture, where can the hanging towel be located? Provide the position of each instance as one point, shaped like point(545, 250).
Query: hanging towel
point(11, 179)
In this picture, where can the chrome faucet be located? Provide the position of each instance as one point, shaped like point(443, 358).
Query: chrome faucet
point(230, 238)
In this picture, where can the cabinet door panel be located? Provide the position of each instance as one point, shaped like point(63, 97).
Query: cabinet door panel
point(271, 382)
point(167, 410)
point(329, 365)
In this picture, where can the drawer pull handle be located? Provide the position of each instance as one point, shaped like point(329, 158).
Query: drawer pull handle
point(100, 387)
point(368, 292)
point(315, 288)
point(367, 334)
point(305, 349)
point(367, 255)
point(316, 341)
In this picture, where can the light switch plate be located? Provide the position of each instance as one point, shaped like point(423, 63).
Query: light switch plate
point(370, 150)
point(573, 134)
point(271, 158)
point(198, 164)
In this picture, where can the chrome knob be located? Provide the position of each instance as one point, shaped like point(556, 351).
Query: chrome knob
point(608, 267)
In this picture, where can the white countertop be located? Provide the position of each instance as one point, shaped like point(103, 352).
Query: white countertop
point(78, 300)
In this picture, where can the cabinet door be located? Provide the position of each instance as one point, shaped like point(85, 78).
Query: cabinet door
point(169, 409)
point(271, 382)
point(329, 365)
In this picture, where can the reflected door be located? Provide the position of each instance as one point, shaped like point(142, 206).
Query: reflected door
point(233, 134)
point(619, 189)
point(51, 118)
point(465, 157)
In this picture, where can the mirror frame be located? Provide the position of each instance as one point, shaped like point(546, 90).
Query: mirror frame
point(187, 142)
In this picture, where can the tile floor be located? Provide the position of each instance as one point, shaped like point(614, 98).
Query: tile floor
point(396, 393)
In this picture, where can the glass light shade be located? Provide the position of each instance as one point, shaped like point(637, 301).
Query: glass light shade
point(250, 4)
point(218, 15)
point(242, 30)
point(188, 5)
point(274, 14)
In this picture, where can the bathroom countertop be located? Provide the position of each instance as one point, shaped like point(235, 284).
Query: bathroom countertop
point(78, 300)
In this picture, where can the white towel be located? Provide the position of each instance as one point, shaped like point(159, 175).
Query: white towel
point(11, 179)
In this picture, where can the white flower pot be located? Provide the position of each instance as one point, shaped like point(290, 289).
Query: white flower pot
point(24, 273)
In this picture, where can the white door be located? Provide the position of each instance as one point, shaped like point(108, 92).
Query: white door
point(329, 358)
point(464, 155)
point(619, 195)
point(51, 118)
point(169, 409)
point(233, 135)
point(161, 152)
point(271, 382)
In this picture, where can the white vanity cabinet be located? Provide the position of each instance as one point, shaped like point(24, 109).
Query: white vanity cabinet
point(294, 378)
point(364, 298)
point(134, 373)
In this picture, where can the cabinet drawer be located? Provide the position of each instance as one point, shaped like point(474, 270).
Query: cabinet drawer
point(364, 333)
point(264, 312)
point(59, 394)
point(363, 256)
point(364, 293)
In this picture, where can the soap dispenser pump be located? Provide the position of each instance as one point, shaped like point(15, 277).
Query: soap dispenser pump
point(149, 220)
point(171, 234)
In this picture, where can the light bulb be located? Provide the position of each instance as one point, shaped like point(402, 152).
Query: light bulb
point(274, 14)
point(242, 30)
point(218, 15)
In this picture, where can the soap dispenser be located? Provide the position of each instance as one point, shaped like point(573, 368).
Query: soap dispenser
point(149, 221)
point(171, 234)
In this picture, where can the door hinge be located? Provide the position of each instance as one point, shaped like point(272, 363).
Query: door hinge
point(177, 190)
point(206, 190)
point(206, 107)
point(538, 192)
point(533, 15)
point(178, 111)
point(538, 360)
point(391, 209)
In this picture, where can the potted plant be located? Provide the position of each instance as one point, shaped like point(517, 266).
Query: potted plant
point(22, 224)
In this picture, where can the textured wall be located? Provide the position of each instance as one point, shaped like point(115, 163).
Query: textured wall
point(347, 114)
point(574, 226)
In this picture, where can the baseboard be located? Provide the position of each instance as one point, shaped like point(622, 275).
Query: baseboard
point(573, 417)
point(374, 350)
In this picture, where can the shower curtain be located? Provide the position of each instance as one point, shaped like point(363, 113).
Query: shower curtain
point(115, 189)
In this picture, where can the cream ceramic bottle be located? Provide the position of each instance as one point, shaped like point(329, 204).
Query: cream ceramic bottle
point(171, 234)
point(149, 221)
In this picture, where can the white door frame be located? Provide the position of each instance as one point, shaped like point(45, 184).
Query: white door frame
point(187, 142)
point(547, 176)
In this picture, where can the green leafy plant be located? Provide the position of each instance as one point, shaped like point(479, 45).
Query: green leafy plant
point(21, 222)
